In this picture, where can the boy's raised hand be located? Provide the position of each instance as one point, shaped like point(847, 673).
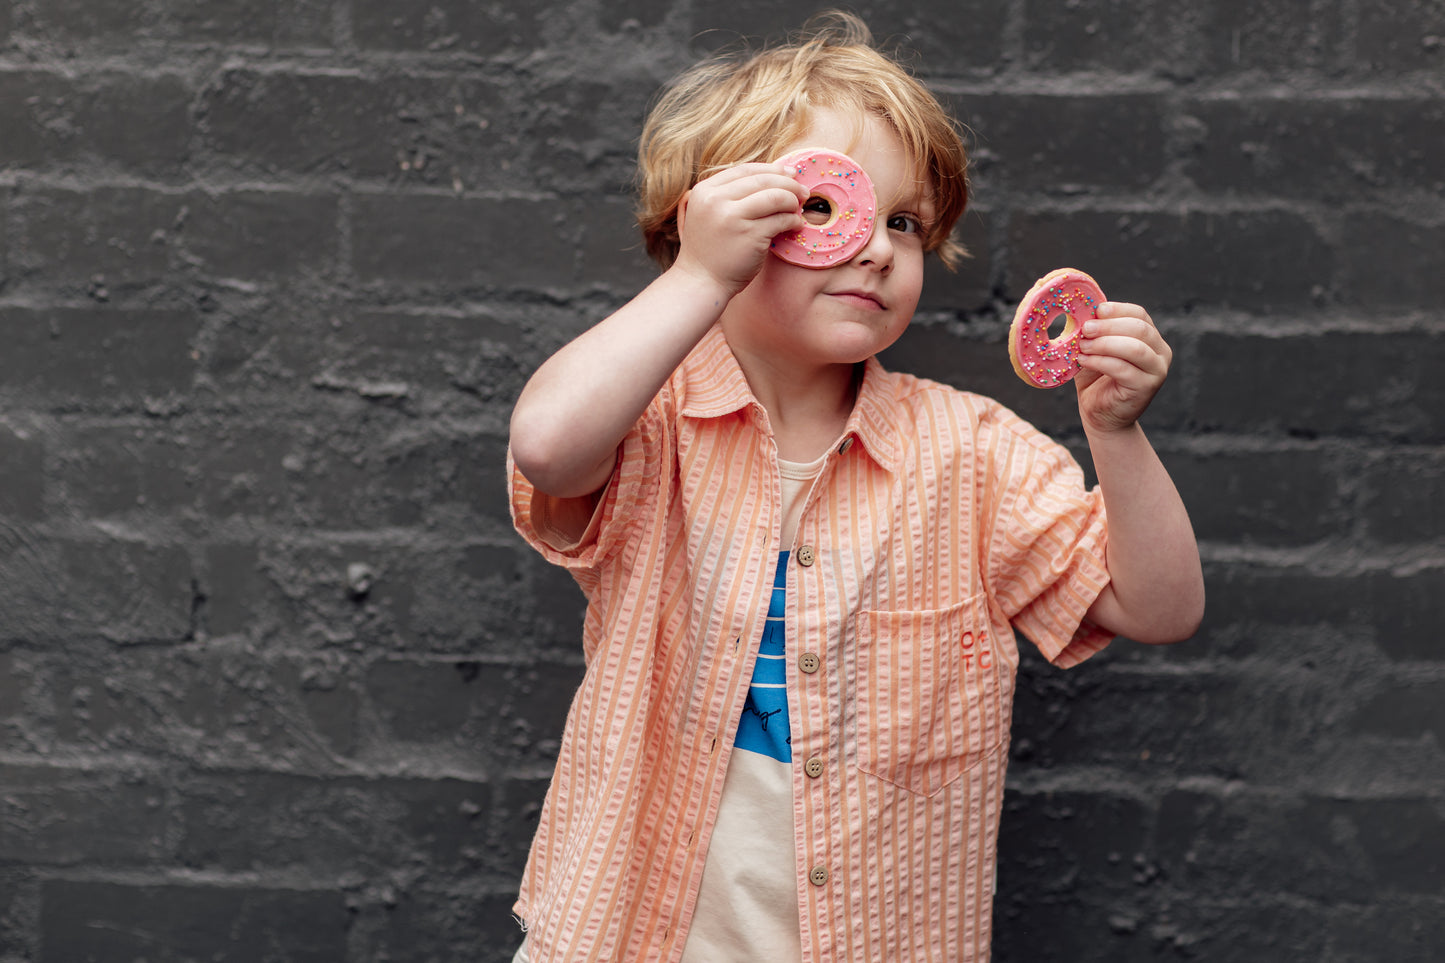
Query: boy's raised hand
point(1125, 361)
point(727, 221)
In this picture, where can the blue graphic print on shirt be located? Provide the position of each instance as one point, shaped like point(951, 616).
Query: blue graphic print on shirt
point(764, 726)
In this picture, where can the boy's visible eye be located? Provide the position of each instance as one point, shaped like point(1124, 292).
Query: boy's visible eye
point(817, 210)
point(905, 224)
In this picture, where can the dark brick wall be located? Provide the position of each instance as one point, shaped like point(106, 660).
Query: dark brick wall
point(277, 681)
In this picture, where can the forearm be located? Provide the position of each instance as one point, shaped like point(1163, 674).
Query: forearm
point(1156, 590)
point(577, 407)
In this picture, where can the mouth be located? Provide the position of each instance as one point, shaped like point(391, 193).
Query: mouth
point(862, 299)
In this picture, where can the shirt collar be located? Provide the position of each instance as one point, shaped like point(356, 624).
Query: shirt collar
point(712, 385)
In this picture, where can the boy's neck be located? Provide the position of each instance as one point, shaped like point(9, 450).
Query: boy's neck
point(808, 407)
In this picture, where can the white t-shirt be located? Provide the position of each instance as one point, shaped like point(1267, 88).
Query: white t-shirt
point(747, 907)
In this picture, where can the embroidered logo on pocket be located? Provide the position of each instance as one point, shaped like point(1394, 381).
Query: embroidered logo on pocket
point(932, 695)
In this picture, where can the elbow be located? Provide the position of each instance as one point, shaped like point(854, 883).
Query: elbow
point(1180, 624)
point(534, 454)
point(548, 461)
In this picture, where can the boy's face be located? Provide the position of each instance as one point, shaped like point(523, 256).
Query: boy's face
point(849, 312)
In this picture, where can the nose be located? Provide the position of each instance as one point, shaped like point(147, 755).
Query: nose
point(878, 252)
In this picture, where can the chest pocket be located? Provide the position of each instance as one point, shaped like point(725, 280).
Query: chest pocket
point(933, 694)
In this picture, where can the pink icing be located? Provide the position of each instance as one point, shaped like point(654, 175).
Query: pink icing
point(1040, 360)
point(835, 177)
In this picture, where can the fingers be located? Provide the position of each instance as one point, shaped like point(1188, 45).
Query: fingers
point(727, 221)
point(1123, 336)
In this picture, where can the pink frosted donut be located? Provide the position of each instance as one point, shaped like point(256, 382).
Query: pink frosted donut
point(1039, 360)
point(840, 199)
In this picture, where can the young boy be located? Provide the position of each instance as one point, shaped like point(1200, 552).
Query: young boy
point(803, 571)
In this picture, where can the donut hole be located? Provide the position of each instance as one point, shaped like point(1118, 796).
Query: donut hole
point(825, 205)
point(819, 211)
point(1060, 326)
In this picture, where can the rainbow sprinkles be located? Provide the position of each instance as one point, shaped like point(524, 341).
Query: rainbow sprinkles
point(836, 181)
point(1042, 361)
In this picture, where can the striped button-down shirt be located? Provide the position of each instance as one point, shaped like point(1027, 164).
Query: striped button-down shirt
point(939, 524)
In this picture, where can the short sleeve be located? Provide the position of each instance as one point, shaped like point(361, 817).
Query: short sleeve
point(542, 520)
point(1046, 559)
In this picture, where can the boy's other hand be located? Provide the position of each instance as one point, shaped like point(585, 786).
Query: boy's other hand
point(1125, 361)
point(727, 222)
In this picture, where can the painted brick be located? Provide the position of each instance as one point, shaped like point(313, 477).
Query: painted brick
point(55, 121)
point(1129, 721)
point(970, 286)
point(1410, 710)
point(260, 235)
point(1394, 931)
point(414, 129)
point(1053, 143)
point(19, 900)
point(417, 602)
point(1396, 268)
point(1289, 497)
point(116, 237)
point(439, 925)
point(86, 920)
point(456, 707)
point(5, 267)
point(1040, 836)
point(126, 591)
point(971, 43)
point(625, 13)
point(1171, 261)
point(450, 26)
point(13, 679)
point(373, 351)
point(22, 474)
point(1274, 36)
point(1406, 611)
point(241, 708)
point(256, 821)
point(1241, 388)
point(116, 470)
point(614, 255)
point(1115, 35)
point(1398, 36)
point(78, 354)
point(498, 244)
point(1326, 849)
point(1328, 150)
point(283, 22)
point(64, 817)
point(1400, 503)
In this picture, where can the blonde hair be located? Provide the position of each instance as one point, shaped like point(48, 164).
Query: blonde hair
point(737, 107)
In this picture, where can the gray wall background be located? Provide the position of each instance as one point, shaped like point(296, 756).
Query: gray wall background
point(277, 681)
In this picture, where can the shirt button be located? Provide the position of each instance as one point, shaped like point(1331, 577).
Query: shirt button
point(847, 443)
point(819, 875)
point(808, 662)
point(814, 766)
point(806, 556)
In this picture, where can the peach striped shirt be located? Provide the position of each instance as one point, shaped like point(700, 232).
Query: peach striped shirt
point(940, 523)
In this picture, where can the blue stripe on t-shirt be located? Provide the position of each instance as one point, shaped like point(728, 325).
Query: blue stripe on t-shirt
point(764, 726)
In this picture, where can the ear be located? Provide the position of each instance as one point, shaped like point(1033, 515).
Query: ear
point(682, 212)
